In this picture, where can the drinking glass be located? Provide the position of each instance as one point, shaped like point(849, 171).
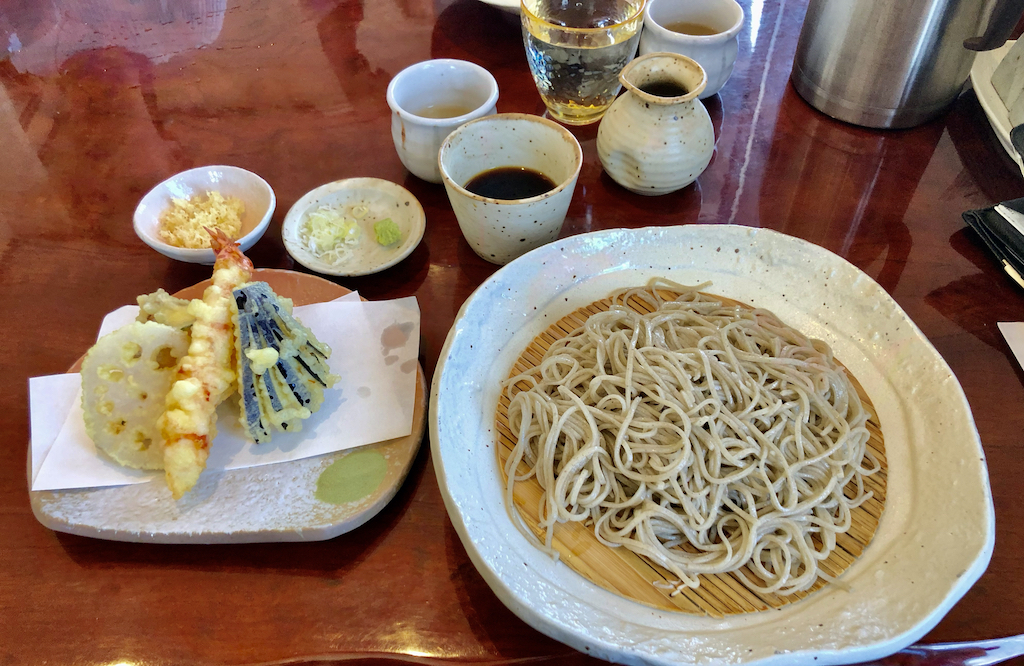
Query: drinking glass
point(576, 49)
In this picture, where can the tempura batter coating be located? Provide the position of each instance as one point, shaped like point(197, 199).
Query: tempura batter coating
point(282, 367)
point(125, 379)
point(206, 375)
point(163, 308)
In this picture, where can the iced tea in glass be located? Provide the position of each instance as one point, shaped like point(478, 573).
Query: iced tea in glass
point(576, 49)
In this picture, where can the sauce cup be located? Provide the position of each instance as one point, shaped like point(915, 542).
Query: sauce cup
point(499, 230)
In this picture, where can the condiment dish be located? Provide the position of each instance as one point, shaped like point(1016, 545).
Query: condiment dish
point(364, 201)
point(231, 181)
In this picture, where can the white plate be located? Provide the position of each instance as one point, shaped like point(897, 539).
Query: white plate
point(510, 7)
point(928, 550)
point(383, 199)
point(985, 63)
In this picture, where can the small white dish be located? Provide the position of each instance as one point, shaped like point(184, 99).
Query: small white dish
point(383, 199)
point(985, 63)
point(231, 181)
point(510, 7)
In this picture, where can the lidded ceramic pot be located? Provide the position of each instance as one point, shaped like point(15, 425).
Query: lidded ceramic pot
point(657, 137)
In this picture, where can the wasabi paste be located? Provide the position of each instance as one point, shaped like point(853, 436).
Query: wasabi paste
point(387, 232)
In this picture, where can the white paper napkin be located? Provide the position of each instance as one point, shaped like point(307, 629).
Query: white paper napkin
point(1015, 219)
point(375, 350)
point(1014, 334)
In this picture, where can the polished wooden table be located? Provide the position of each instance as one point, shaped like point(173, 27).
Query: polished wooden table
point(99, 101)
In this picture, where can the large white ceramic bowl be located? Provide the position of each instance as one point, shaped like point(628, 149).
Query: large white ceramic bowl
point(231, 181)
point(934, 539)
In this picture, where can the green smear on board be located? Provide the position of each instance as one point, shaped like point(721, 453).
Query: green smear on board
point(352, 478)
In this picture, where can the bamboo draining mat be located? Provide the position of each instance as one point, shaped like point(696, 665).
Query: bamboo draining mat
point(625, 573)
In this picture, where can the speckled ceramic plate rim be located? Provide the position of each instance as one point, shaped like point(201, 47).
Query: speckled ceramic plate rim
point(927, 551)
point(387, 190)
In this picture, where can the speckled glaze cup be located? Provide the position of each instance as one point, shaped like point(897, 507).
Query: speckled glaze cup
point(499, 230)
point(652, 144)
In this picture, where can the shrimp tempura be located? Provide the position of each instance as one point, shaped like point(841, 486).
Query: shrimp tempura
point(206, 375)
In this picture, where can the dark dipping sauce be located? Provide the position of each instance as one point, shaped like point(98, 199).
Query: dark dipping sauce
point(664, 88)
point(510, 183)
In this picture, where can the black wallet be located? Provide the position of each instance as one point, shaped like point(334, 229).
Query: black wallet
point(1001, 237)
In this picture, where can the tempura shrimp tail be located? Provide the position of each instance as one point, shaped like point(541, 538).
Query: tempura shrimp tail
point(206, 375)
point(228, 252)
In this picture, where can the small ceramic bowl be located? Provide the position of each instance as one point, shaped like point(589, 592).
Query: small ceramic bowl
point(230, 181)
point(381, 199)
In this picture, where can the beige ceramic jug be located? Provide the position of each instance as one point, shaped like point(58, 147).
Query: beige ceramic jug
point(657, 137)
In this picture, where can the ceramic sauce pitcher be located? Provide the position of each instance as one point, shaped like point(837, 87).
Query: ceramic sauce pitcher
point(657, 137)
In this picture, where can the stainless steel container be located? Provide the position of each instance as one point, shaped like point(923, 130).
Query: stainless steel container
point(894, 63)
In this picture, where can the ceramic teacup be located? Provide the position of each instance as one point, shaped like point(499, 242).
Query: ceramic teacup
point(430, 99)
point(499, 230)
point(705, 30)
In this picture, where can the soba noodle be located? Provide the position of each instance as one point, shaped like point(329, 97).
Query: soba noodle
point(702, 436)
